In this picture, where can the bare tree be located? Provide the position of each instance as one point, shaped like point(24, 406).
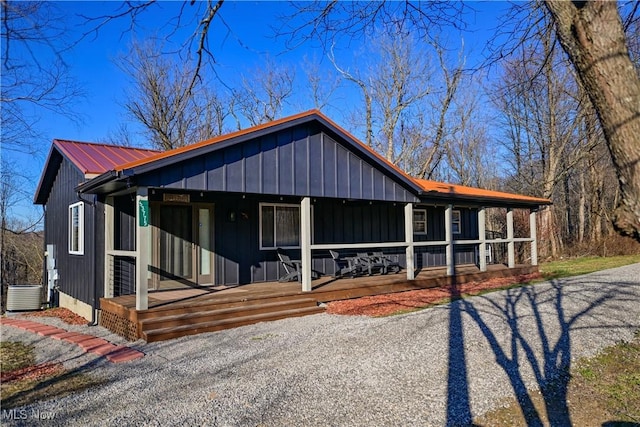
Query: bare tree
point(593, 35)
point(539, 99)
point(469, 153)
point(164, 100)
point(406, 114)
point(263, 93)
point(321, 84)
point(35, 77)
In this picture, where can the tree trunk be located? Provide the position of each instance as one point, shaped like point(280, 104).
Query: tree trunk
point(581, 208)
point(592, 34)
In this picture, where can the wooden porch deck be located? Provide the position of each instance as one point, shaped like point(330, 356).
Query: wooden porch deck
point(175, 313)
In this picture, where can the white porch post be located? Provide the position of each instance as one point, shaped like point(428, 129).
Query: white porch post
point(305, 243)
point(448, 237)
point(142, 248)
point(510, 244)
point(108, 246)
point(408, 238)
point(534, 238)
point(482, 235)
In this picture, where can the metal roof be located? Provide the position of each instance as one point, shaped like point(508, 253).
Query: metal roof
point(113, 162)
point(92, 158)
point(473, 193)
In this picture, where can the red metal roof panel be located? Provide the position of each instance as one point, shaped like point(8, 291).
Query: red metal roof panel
point(92, 158)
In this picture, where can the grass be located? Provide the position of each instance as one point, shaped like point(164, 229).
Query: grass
point(15, 356)
point(584, 265)
point(603, 390)
point(615, 376)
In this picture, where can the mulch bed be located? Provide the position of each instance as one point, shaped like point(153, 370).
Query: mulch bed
point(64, 314)
point(384, 305)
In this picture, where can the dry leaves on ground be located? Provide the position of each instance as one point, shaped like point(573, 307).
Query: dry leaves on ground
point(384, 305)
point(34, 372)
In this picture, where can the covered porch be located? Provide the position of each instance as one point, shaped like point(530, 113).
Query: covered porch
point(207, 240)
point(180, 312)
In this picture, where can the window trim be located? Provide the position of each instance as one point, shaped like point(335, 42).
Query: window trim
point(425, 221)
point(70, 234)
point(456, 221)
point(275, 205)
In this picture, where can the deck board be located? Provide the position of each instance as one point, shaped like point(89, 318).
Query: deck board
point(324, 289)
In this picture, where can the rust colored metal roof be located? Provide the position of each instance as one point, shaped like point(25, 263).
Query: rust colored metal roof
point(461, 190)
point(217, 139)
point(92, 158)
point(147, 157)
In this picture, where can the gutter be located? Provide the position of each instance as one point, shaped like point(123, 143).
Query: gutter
point(96, 182)
point(479, 200)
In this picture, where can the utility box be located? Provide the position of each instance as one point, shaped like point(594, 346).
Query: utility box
point(24, 297)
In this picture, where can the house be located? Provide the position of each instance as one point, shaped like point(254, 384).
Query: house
point(124, 221)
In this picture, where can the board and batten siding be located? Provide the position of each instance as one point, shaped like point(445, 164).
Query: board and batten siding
point(76, 273)
point(301, 161)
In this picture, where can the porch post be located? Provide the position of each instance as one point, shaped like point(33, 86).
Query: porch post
point(305, 243)
point(534, 238)
point(482, 236)
point(142, 248)
point(510, 244)
point(448, 237)
point(408, 238)
point(108, 246)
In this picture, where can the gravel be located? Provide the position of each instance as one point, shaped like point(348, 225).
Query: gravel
point(437, 366)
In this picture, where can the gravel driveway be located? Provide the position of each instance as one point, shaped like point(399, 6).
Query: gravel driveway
point(433, 367)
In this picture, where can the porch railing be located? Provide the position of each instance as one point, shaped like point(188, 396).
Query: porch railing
point(120, 273)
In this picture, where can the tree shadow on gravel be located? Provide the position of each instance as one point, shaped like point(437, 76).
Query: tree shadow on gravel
point(537, 338)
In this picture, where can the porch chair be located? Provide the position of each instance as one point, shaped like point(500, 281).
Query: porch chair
point(388, 264)
point(371, 263)
point(292, 269)
point(345, 266)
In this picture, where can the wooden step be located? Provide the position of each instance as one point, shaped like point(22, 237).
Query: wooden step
point(204, 316)
point(212, 303)
point(179, 331)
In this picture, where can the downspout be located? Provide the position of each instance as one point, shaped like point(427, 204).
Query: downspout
point(94, 308)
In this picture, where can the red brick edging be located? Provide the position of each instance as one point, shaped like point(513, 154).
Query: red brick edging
point(88, 343)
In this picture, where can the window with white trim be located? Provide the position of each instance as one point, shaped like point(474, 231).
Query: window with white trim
point(456, 222)
point(76, 228)
point(420, 221)
point(279, 226)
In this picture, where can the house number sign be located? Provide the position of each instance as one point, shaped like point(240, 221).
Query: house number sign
point(143, 213)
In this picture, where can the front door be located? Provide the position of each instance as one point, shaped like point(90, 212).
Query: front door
point(184, 245)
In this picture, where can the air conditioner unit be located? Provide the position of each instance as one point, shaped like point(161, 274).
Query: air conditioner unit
point(24, 297)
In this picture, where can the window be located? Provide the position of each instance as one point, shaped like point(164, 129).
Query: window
point(76, 228)
point(420, 221)
point(279, 226)
point(456, 223)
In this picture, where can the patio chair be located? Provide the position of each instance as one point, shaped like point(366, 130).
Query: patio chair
point(346, 266)
point(292, 269)
point(389, 265)
point(371, 263)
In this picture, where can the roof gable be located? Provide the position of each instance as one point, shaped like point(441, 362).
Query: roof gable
point(185, 167)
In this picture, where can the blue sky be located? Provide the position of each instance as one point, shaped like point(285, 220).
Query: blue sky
point(244, 44)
